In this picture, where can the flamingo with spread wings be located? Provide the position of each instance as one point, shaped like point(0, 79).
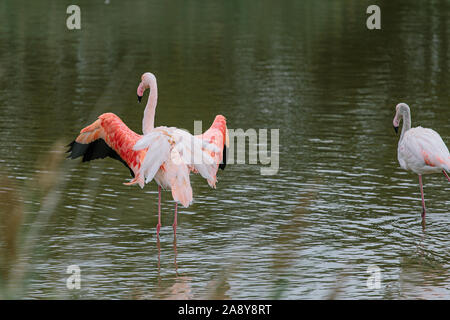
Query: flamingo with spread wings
point(420, 150)
point(167, 155)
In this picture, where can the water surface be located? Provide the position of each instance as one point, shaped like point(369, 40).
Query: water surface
point(338, 204)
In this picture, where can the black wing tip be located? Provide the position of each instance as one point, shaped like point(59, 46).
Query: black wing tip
point(97, 149)
point(76, 149)
point(70, 146)
point(223, 164)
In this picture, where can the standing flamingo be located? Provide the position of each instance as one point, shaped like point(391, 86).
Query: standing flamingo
point(420, 150)
point(109, 136)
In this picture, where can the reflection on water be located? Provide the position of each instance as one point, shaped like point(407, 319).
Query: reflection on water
point(338, 204)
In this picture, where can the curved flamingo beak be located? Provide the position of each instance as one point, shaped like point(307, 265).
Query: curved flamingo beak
point(140, 91)
point(396, 122)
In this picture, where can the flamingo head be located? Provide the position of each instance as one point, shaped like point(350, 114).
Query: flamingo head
point(399, 111)
point(147, 81)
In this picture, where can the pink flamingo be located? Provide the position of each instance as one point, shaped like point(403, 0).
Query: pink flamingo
point(420, 150)
point(108, 136)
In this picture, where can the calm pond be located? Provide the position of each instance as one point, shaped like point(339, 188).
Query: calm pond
point(338, 209)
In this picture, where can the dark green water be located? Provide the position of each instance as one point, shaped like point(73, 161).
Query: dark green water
point(338, 204)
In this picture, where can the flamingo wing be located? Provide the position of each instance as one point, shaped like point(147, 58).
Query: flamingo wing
point(196, 153)
point(424, 148)
point(91, 144)
point(180, 147)
point(217, 134)
point(166, 159)
point(158, 152)
point(97, 149)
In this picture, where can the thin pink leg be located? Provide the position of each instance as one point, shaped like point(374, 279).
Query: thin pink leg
point(175, 220)
point(158, 226)
point(423, 198)
point(445, 173)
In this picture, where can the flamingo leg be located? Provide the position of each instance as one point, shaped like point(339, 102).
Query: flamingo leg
point(158, 226)
point(175, 220)
point(423, 198)
point(445, 173)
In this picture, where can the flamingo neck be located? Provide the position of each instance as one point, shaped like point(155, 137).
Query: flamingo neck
point(406, 122)
point(148, 122)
